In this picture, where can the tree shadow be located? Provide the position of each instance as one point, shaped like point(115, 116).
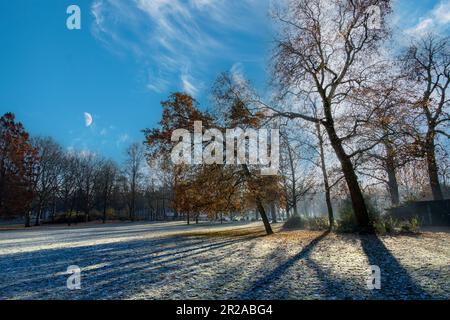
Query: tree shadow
point(256, 290)
point(396, 282)
point(128, 265)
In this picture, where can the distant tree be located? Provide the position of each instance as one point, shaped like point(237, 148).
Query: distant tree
point(133, 171)
point(69, 187)
point(297, 179)
point(47, 172)
point(88, 166)
point(17, 159)
point(428, 63)
point(107, 176)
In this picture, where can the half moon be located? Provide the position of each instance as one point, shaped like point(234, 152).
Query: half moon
point(87, 119)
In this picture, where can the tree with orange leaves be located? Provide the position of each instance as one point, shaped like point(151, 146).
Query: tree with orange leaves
point(17, 158)
point(208, 189)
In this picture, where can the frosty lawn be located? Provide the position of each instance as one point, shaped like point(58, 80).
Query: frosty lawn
point(175, 261)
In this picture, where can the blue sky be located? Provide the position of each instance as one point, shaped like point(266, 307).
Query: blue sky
point(131, 54)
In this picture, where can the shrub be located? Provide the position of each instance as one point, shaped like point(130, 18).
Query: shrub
point(95, 215)
point(410, 226)
point(389, 224)
point(318, 223)
point(294, 222)
point(380, 227)
point(347, 221)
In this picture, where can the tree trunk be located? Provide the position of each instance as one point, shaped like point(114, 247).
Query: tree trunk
point(390, 167)
point(433, 171)
point(37, 221)
point(294, 187)
point(53, 211)
point(104, 213)
point(259, 205)
point(28, 219)
point(359, 206)
point(326, 183)
point(393, 186)
point(329, 208)
point(274, 213)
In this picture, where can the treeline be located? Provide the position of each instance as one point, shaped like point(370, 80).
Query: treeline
point(359, 122)
point(39, 178)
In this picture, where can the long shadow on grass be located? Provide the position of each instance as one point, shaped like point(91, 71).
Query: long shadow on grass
point(128, 266)
point(396, 282)
point(256, 290)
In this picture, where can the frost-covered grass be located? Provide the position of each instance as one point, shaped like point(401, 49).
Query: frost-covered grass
point(213, 261)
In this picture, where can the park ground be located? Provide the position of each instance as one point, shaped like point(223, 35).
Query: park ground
point(213, 261)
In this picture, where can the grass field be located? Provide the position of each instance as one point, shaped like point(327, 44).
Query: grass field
point(231, 261)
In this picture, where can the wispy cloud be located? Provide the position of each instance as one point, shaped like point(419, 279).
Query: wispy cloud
point(435, 20)
point(237, 72)
point(172, 37)
point(123, 138)
point(188, 86)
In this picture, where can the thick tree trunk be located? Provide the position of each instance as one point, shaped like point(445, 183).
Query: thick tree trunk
point(259, 205)
point(390, 167)
point(326, 183)
point(329, 208)
point(263, 215)
point(359, 206)
point(295, 208)
point(433, 171)
point(393, 186)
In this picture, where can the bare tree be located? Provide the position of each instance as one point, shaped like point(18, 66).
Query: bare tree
point(297, 181)
point(89, 165)
point(389, 99)
point(106, 180)
point(133, 171)
point(428, 63)
point(325, 50)
point(48, 169)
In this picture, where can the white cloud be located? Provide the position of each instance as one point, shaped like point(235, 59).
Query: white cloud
point(436, 20)
point(237, 73)
point(171, 36)
point(188, 86)
point(124, 137)
point(423, 26)
point(442, 12)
